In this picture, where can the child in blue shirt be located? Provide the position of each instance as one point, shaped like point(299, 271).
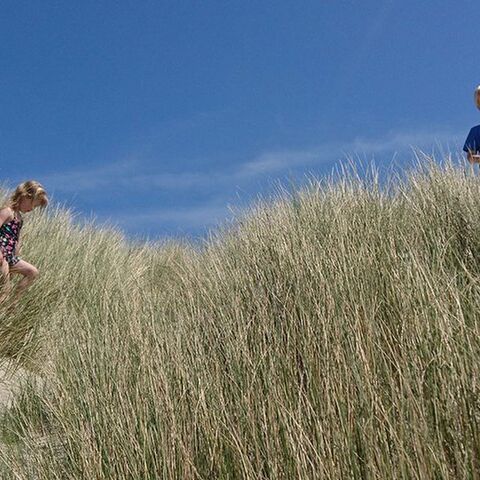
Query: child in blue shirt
point(472, 143)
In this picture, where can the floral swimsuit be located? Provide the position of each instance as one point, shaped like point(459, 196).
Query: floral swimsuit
point(9, 233)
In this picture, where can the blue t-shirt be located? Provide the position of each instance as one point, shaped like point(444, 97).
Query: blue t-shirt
point(473, 140)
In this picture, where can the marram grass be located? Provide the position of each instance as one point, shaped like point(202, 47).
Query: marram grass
point(329, 333)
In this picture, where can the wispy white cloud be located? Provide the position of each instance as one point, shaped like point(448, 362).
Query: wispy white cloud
point(88, 179)
point(132, 175)
point(405, 140)
point(195, 216)
point(276, 161)
point(125, 175)
point(395, 142)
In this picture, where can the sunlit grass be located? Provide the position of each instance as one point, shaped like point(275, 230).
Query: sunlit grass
point(331, 332)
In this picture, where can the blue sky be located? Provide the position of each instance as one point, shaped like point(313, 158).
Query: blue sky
point(162, 116)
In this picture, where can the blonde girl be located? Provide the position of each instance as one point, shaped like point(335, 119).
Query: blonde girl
point(27, 196)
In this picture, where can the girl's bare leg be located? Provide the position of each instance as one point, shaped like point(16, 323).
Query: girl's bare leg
point(5, 285)
point(29, 273)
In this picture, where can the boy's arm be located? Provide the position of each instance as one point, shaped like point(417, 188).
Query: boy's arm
point(472, 157)
point(470, 146)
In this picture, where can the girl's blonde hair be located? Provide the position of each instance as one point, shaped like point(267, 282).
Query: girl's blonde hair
point(29, 189)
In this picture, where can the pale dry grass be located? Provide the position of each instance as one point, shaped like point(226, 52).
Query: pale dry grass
point(329, 333)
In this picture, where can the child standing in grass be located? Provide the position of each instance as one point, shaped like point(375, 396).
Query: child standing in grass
point(27, 196)
point(472, 143)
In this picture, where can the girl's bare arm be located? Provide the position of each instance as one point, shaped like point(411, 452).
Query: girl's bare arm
point(6, 214)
